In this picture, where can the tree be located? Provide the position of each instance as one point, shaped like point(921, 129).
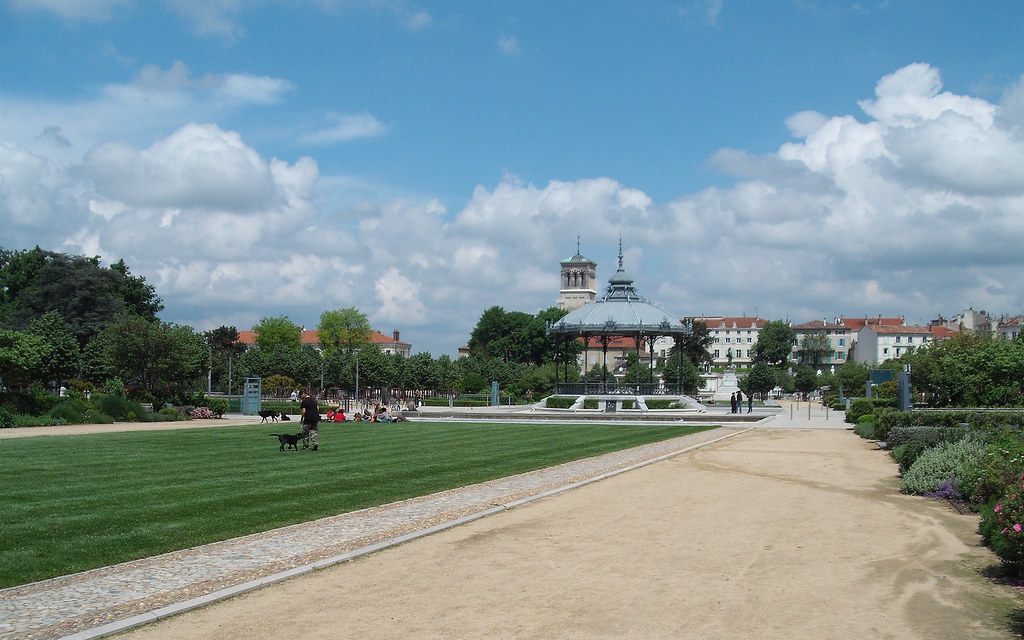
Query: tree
point(761, 379)
point(63, 354)
point(678, 368)
point(969, 370)
point(852, 377)
point(271, 332)
point(806, 379)
point(139, 298)
point(345, 328)
point(515, 336)
point(85, 294)
point(166, 361)
point(21, 356)
point(814, 348)
point(448, 373)
point(774, 343)
point(695, 345)
point(224, 350)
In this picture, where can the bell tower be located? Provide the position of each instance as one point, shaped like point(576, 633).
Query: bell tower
point(579, 281)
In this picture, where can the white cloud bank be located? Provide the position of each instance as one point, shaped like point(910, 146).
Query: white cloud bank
point(915, 207)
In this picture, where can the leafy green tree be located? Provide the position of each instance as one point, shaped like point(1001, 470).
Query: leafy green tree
point(774, 343)
point(422, 372)
point(806, 379)
point(348, 329)
point(63, 356)
point(272, 332)
point(449, 374)
point(695, 345)
point(637, 371)
point(852, 377)
point(139, 298)
point(815, 348)
point(167, 361)
point(225, 349)
point(969, 370)
point(374, 368)
point(679, 368)
point(515, 336)
point(85, 294)
point(761, 379)
point(21, 356)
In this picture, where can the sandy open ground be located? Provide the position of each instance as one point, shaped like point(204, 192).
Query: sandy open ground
point(793, 533)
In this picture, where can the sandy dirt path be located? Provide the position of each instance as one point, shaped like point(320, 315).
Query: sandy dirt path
point(788, 534)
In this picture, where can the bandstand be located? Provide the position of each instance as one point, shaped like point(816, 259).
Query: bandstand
point(621, 313)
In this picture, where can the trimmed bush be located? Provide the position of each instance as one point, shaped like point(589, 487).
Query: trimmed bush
point(217, 406)
point(865, 430)
point(117, 407)
point(554, 402)
point(863, 406)
point(907, 453)
point(934, 466)
point(927, 436)
point(7, 420)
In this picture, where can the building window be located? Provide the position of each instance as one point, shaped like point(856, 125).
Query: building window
point(717, 353)
point(842, 342)
point(728, 340)
point(885, 351)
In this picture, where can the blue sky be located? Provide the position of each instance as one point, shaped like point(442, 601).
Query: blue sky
point(423, 161)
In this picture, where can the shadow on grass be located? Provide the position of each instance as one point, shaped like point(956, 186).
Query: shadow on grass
point(1000, 574)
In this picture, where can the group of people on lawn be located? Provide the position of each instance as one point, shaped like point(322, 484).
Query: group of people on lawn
point(380, 414)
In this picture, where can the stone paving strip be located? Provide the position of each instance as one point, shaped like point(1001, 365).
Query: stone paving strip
point(97, 603)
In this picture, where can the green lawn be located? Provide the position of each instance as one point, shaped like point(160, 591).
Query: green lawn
point(71, 503)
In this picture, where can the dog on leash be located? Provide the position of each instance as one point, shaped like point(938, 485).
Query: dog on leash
point(268, 413)
point(289, 440)
point(285, 418)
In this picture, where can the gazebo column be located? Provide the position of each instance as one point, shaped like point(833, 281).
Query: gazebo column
point(604, 364)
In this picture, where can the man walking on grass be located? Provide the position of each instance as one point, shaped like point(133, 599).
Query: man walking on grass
point(310, 415)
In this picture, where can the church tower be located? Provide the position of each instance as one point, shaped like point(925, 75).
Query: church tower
point(579, 281)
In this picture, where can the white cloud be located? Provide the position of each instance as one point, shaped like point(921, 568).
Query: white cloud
point(400, 299)
point(346, 127)
point(509, 45)
point(97, 10)
point(914, 207)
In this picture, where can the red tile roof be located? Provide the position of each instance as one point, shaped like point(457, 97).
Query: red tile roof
point(858, 323)
point(738, 322)
point(892, 331)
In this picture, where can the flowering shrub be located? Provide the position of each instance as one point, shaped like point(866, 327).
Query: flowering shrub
point(934, 466)
point(200, 413)
point(1002, 526)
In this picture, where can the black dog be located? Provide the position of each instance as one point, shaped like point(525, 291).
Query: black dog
point(268, 413)
point(285, 418)
point(288, 439)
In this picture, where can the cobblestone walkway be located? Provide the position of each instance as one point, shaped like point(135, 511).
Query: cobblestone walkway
point(104, 601)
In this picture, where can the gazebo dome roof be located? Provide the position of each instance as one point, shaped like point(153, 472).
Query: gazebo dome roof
point(621, 312)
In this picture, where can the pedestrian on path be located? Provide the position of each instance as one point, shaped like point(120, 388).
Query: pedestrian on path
point(750, 403)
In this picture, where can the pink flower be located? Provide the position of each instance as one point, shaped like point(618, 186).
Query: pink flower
point(999, 507)
point(1004, 531)
point(1017, 527)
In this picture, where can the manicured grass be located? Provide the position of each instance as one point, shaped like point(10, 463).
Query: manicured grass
point(71, 503)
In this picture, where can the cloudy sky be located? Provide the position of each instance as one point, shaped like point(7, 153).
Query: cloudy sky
point(423, 161)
